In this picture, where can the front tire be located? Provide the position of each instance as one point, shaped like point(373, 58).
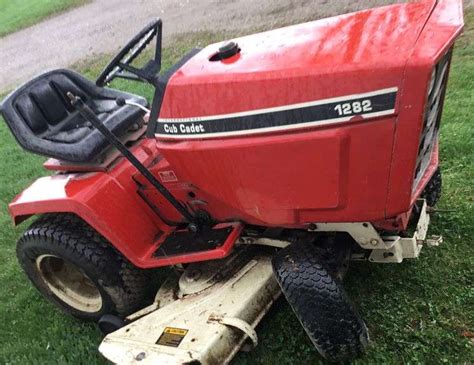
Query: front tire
point(320, 303)
point(78, 270)
point(432, 191)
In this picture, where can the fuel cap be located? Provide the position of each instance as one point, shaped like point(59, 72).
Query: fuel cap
point(226, 51)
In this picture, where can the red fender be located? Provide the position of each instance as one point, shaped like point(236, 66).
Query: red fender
point(105, 200)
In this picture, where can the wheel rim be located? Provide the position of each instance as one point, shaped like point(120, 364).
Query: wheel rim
point(69, 284)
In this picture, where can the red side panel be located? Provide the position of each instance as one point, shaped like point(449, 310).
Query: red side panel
point(334, 171)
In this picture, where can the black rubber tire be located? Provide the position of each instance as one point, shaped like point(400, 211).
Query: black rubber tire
point(432, 191)
point(122, 286)
point(320, 303)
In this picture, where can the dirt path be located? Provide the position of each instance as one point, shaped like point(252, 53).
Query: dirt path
point(103, 25)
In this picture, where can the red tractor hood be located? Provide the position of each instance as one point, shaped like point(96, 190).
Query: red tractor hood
point(350, 54)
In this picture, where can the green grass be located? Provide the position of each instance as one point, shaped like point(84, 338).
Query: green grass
point(418, 312)
point(19, 14)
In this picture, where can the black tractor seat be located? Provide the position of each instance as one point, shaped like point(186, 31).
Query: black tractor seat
point(43, 121)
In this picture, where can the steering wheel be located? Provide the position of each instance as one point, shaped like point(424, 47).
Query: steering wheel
point(120, 65)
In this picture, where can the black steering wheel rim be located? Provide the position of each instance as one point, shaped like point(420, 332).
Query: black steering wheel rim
point(129, 53)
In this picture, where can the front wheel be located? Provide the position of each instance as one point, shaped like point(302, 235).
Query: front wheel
point(432, 191)
point(77, 270)
point(320, 303)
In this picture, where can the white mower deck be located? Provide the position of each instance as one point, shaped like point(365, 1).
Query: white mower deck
point(202, 318)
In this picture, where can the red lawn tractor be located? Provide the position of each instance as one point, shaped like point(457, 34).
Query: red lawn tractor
point(264, 165)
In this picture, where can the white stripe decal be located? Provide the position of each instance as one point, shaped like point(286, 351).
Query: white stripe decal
point(279, 108)
point(271, 129)
point(317, 113)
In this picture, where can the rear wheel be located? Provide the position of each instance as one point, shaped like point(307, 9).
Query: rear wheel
point(78, 270)
point(320, 303)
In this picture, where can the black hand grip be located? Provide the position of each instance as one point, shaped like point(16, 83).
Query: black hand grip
point(120, 101)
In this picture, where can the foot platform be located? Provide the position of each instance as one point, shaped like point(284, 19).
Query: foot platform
point(185, 246)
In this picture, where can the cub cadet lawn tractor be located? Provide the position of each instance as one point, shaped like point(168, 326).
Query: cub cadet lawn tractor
point(265, 164)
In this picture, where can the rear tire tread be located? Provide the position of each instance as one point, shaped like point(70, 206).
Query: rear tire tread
point(125, 284)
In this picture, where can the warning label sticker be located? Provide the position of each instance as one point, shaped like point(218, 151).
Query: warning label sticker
point(168, 176)
point(171, 337)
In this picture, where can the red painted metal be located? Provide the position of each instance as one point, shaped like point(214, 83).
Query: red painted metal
point(361, 170)
point(106, 200)
point(53, 164)
point(444, 26)
point(109, 202)
point(348, 54)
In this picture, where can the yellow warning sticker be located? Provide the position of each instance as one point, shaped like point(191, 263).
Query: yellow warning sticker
point(172, 336)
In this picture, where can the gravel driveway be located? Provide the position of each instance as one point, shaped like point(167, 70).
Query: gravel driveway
point(104, 25)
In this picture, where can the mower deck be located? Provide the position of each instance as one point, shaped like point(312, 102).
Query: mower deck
point(204, 317)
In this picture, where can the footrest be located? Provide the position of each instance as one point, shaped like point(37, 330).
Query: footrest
point(184, 246)
point(187, 242)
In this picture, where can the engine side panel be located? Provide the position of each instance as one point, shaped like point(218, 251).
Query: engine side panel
point(289, 179)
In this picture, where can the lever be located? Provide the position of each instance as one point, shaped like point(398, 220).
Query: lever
point(89, 115)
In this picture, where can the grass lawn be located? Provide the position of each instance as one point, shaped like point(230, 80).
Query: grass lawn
point(18, 14)
point(418, 312)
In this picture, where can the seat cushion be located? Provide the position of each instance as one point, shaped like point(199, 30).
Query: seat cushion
point(43, 121)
